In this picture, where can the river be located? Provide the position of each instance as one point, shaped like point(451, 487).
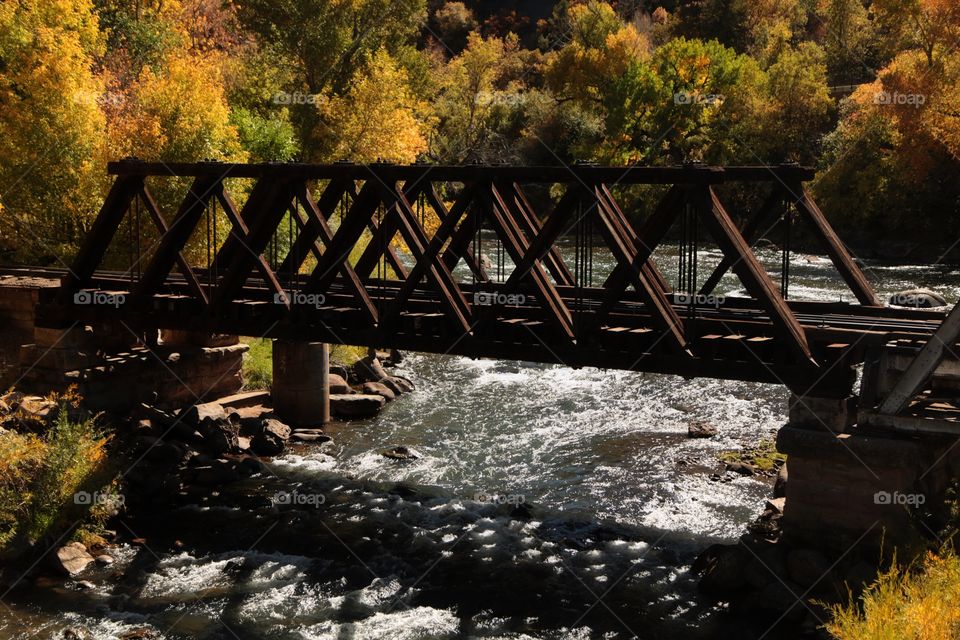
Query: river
point(616, 504)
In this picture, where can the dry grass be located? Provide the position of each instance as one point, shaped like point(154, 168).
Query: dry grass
point(919, 603)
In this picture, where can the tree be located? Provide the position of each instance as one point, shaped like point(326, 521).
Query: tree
point(762, 28)
point(770, 26)
point(592, 23)
point(178, 113)
point(255, 83)
point(800, 105)
point(894, 157)
point(703, 92)
point(139, 34)
point(600, 52)
point(848, 35)
point(454, 20)
point(933, 26)
point(328, 41)
point(377, 117)
point(482, 94)
point(51, 153)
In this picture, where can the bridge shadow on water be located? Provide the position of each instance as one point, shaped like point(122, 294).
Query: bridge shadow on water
point(340, 558)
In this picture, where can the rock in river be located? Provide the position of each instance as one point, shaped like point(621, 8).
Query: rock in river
point(917, 299)
point(73, 558)
point(399, 453)
point(356, 406)
point(701, 429)
point(272, 437)
point(378, 389)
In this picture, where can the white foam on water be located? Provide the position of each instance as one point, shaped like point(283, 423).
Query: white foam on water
point(184, 575)
point(402, 624)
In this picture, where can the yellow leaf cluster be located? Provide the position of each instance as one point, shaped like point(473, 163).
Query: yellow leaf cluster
point(377, 118)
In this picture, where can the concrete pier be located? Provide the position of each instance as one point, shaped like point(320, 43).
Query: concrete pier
point(301, 377)
point(859, 477)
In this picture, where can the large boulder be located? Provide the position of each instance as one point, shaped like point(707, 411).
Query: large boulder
point(368, 369)
point(400, 453)
point(338, 384)
point(73, 558)
point(917, 299)
point(356, 406)
point(272, 438)
point(700, 429)
point(310, 435)
point(405, 385)
point(378, 389)
point(196, 414)
point(221, 435)
point(780, 486)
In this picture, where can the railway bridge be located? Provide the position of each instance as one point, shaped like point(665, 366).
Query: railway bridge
point(559, 265)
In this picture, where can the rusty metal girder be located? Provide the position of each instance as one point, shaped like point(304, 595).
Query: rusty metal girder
point(361, 212)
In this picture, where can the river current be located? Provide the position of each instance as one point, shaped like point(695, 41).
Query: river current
point(545, 502)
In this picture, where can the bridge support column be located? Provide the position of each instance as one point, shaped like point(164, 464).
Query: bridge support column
point(835, 415)
point(301, 382)
point(862, 487)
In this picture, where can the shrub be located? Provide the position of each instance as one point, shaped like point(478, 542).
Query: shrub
point(40, 477)
point(918, 603)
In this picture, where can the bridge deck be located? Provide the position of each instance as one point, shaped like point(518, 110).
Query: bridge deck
point(732, 340)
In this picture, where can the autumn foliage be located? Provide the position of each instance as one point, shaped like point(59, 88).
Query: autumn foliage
point(866, 91)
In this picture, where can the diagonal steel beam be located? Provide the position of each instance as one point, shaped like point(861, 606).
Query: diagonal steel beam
point(459, 246)
point(312, 231)
point(151, 206)
point(851, 273)
point(351, 228)
point(651, 269)
point(450, 294)
point(466, 196)
point(251, 241)
point(765, 217)
point(646, 241)
point(173, 242)
point(95, 244)
point(556, 223)
point(625, 252)
point(315, 216)
point(531, 227)
point(430, 257)
point(754, 277)
point(554, 307)
point(924, 365)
